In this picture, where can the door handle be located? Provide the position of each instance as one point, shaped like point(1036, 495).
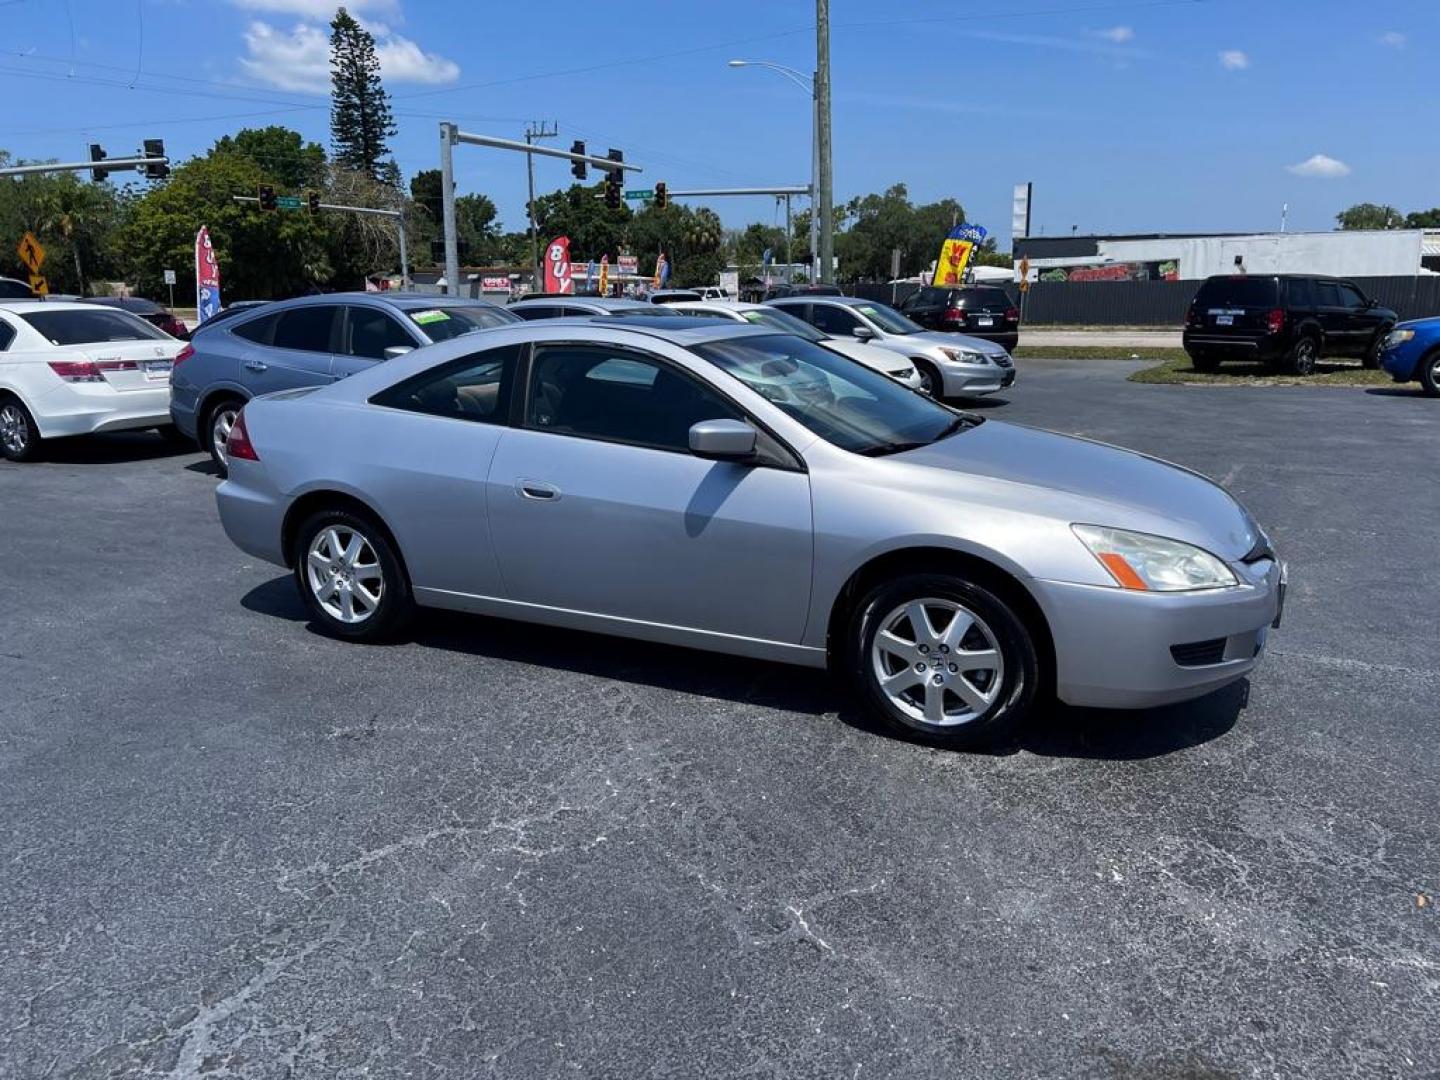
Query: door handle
point(537, 489)
point(256, 365)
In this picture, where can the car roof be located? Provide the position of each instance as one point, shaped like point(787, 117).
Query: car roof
point(680, 330)
point(822, 298)
point(125, 303)
point(26, 307)
point(604, 303)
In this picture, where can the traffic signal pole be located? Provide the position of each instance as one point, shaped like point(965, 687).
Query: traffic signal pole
point(373, 211)
point(85, 166)
point(450, 137)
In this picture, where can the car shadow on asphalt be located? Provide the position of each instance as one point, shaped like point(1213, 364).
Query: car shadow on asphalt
point(1057, 731)
point(981, 404)
point(112, 449)
point(1396, 391)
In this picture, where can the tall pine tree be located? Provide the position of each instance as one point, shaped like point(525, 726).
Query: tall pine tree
point(360, 119)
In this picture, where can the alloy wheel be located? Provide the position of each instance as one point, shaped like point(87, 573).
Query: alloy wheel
point(1305, 357)
point(937, 662)
point(344, 574)
point(14, 430)
point(220, 425)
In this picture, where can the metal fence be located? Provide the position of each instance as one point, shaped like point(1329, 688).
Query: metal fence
point(1157, 303)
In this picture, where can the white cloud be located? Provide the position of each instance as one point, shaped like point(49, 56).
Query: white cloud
point(1394, 39)
point(1234, 60)
point(1320, 167)
point(317, 9)
point(300, 59)
point(1118, 34)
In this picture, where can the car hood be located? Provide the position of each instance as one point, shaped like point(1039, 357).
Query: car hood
point(1093, 483)
point(955, 341)
point(873, 356)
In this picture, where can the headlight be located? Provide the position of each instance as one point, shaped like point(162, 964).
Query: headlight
point(1399, 337)
point(963, 356)
point(1152, 563)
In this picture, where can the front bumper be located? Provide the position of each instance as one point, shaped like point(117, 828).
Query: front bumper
point(89, 408)
point(1113, 646)
point(1402, 363)
point(974, 380)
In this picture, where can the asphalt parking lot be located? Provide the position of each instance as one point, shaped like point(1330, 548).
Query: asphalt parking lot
point(229, 845)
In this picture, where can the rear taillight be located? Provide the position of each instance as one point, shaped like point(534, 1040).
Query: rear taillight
point(177, 329)
point(1276, 320)
point(184, 354)
point(953, 315)
point(1192, 316)
point(1012, 314)
point(238, 444)
point(80, 371)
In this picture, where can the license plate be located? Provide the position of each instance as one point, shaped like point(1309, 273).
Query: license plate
point(984, 320)
point(157, 370)
point(1224, 320)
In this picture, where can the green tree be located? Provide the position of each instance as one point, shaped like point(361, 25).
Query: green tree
point(74, 219)
point(594, 229)
point(1369, 216)
point(261, 255)
point(360, 117)
point(284, 155)
point(1423, 219)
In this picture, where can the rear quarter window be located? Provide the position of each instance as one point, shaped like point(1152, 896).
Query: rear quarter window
point(1238, 292)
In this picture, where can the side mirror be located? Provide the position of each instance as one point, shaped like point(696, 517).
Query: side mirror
point(395, 351)
point(863, 333)
point(1371, 304)
point(722, 440)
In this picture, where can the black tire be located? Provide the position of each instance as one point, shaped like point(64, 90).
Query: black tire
point(19, 437)
point(1372, 354)
point(996, 620)
point(175, 437)
point(1303, 355)
point(222, 411)
point(396, 602)
point(1430, 373)
point(931, 381)
point(1205, 361)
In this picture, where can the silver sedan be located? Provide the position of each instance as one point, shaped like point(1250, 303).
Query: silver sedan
point(725, 487)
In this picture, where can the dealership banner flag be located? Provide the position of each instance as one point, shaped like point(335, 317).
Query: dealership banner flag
point(604, 288)
point(955, 253)
point(662, 271)
point(207, 277)
point(557, 266)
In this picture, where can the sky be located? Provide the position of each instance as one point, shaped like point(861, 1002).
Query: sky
point(1138, 116)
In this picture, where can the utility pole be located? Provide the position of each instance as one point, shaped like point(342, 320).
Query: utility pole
point(448, 136)
point(822, 108)
point(531, 134)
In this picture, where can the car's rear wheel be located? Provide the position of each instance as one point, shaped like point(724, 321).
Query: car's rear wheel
point(19, 437)
point(1372, 354)
point(1303, 356)
point(219, 419)
point(350, 576)
point(931, 381)
point(944, 659)
point(1430, 373)
point(1205, 361)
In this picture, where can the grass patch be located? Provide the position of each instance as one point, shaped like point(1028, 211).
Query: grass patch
point(1098, 352)
point(1178, 370)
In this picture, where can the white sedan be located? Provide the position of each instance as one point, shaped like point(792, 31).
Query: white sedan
point(76, 369)
point(897, 367)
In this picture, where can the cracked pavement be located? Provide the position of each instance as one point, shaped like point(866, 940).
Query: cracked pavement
point(231, 847)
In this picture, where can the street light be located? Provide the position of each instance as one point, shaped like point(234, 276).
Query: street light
point(808, 85)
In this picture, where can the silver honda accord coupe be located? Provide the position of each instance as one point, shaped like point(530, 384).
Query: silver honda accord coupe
point(725, 487)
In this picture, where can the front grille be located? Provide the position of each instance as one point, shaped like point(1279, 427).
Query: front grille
point(1003, 360)
point(1199, 653)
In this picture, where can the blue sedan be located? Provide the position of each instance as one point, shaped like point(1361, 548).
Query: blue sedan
point(1412, 353)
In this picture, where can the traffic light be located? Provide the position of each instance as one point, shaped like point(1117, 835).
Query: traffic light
point(577, 168)
point(267, 197)
point(662, 196)
point(614, 181)
point(97, 154)
point(155, 170)
point(312, 201)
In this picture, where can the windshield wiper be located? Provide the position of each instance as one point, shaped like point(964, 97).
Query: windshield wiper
point(960, 423)
point(884, 448)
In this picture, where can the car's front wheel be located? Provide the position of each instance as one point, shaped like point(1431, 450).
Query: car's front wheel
point(931, 381)
point(1372, 354)
point(350, 577)
point(945, 659)
point(1430, 374)
point(19, 437)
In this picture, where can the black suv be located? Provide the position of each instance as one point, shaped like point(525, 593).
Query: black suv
point(1284, 320)
point(982, 311)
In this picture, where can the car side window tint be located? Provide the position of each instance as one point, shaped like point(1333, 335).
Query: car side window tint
point(307, 328)
point(1327, 294)
point(474, 387)
point(372, 331)
point(7, 335)
point(836, 320)
point(1350, 296)
point(261, 330)
point(1301, 293)
point(605, 393)
point(536, 311)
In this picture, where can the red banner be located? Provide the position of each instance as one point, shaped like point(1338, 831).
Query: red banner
point(557, 266)
point(207, 277)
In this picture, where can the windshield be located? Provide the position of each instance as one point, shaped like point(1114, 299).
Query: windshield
point(843, 402)
point(92, 327)
point(442, 324)
point(888, 319)
point(776, 319)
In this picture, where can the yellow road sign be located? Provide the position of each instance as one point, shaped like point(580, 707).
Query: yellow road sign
point(38, 285)
point(32, 254)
